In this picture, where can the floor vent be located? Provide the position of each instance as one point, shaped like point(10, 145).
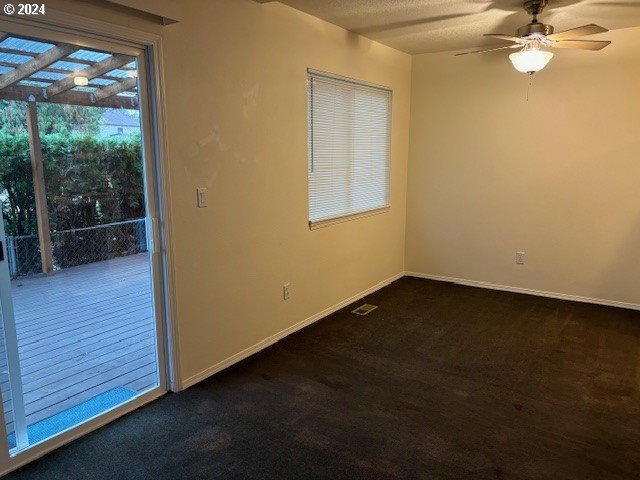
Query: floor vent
point(364, 309)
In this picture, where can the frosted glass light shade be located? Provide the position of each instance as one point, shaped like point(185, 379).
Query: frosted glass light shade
point(530, 61)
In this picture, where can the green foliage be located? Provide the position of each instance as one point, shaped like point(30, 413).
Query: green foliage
point(53, 118)
point(16, 184)
point(13, 117)
point(89, 180)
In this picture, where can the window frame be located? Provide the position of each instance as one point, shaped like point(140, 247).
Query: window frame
point(352, 215)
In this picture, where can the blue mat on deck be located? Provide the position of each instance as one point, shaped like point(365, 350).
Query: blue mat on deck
point(77, 414)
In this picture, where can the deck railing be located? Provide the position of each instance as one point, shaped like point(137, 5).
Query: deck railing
point(78, 246)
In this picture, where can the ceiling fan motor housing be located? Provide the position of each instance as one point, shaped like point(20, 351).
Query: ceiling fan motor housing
point(535, 7)
point(534, 28)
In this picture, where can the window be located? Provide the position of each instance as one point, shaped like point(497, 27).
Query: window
point(349, 148)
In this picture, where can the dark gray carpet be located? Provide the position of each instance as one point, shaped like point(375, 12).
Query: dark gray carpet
point(441, 382)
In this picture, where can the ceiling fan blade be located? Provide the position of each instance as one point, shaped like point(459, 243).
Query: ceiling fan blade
point(581, 44)
point(501, 36)
point(578, 32)
point(488, 50)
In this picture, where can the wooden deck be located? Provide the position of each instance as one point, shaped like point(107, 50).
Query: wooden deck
point(81, 332)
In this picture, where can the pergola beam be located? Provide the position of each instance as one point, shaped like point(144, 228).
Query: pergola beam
point(113, 89)
point(40, 194)
point(35, 64)
point(64, 72)
point(13, 51)
point(67, 83)
point(24, 93)
point(24, 53)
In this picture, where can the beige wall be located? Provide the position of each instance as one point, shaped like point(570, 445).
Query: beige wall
point(557, 177)
point(490, 173)
point(236, 101)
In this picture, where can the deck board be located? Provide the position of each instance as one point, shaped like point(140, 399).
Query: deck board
point(81, 332)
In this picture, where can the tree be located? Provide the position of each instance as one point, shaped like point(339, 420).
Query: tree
point(89, 180)
point(16, 184)
point(53, 118)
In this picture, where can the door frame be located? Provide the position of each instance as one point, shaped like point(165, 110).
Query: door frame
point(10, 338)
point(75, 28)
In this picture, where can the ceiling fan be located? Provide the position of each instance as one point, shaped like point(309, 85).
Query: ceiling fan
point(535, 36)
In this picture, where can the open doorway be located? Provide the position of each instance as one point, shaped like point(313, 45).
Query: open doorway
point(80, 278)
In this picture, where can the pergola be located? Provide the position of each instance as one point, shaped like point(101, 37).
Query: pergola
point(33, 71)
point(36, 71)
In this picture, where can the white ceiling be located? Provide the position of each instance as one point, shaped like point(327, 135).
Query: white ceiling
point(427, 26)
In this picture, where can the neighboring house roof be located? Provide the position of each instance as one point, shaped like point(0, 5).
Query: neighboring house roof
point(117, 117)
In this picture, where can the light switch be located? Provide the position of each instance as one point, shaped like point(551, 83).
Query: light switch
point(203, 197)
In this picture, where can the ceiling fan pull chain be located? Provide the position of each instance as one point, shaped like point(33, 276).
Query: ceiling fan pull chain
point(529, 86)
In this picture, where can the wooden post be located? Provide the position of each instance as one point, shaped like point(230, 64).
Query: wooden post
point(40, 194)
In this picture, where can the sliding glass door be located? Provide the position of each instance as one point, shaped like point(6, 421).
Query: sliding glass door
point(10, 375)
point(81, 290)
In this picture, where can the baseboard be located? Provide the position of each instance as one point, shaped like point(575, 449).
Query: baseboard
point(527, 291)
point(198, 377)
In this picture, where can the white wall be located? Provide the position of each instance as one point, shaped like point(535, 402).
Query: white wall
point(236, 97)
point(557, 177)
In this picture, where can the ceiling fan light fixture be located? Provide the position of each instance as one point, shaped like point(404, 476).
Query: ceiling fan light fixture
point(530, 60)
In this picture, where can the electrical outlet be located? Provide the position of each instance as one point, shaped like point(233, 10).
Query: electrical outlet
point(520, 258)
point(203, 197)
point(286, 291)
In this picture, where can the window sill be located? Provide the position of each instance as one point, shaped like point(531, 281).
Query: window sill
point(313, 225)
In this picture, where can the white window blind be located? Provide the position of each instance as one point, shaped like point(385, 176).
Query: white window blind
point(349, 147)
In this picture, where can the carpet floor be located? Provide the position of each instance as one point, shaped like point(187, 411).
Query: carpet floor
point(442, 381)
